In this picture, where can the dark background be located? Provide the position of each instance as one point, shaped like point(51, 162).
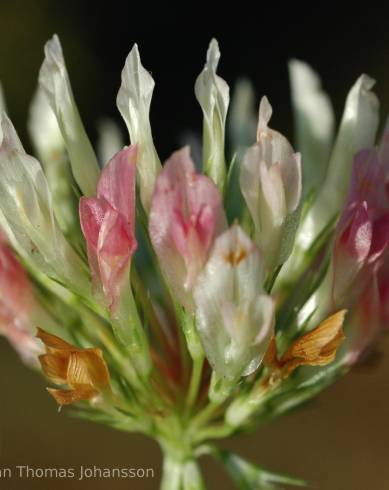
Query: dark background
point(338, 442)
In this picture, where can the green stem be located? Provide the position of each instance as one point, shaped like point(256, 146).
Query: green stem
point(128, 328)
point(205, 415)
point(213, 432)
point(195, 381)
point(181, 474)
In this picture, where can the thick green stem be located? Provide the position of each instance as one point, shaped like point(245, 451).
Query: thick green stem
point(182, 474)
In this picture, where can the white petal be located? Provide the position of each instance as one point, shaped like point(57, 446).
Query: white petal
point(50, 147)
point(133, 101)
point(27, 211)
point(242, 119)
point(54, 81)
point(271, 183)
point(357, 130)
point(314, 120)
point(272, 206)
point(110, 140)
point(233, 319)
point(263, 189)
point(212, 93)
point(264, 115)
point(43, 128)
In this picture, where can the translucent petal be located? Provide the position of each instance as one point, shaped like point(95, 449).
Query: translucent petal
point(133, 101)
point(54, 81)
point(234, 316)
point(357, 130)
point(212, 93)
point(314, 122)
point(26, 206)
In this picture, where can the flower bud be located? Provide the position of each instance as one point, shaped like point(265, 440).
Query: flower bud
point(270, 181)
point(54, 81)
point(234, 315)
point(357, 130)
point(16, 303)
point(314, 122)
point(212, 93)
point(186, 216)
point(27, 213)
point(50, 147)
point(108, 222)
point(362, 233)
point(133, 101)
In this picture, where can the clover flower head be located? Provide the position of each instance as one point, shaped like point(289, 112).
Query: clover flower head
point(190, 303)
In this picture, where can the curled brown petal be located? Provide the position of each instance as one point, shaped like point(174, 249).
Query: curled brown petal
point(67, 397)
point(315, 348)
point(83, 370)
point(320, 344)
point(54, 368)
point(52, 341)
point(88, 368)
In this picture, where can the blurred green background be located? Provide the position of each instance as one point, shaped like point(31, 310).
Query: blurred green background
point(338, 442)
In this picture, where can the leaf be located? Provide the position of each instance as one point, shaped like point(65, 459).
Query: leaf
point(249, 476)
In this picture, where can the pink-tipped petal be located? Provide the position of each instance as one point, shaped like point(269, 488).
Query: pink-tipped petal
point(16, 305)
point(92, 211)
point(117, 183)
point(351, 250)
point(15, 289)
point(356, 238)
point(364, 322)
point(186, 216)
point(115, 248)
point(107, 222)
point(367, 180)
point(363, 229)
point(380, 237)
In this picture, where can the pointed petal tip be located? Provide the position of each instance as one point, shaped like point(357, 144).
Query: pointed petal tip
point(214, 44)
point(265, 113)
point(363, 88)
point(10, 139)
point(134, 52)
point(299, 64)
point(53, 50)
point(366, 81)
point(213, 54)
point(302, 74)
